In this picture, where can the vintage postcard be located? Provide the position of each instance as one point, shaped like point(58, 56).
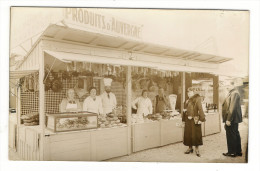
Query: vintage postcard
point(129, 85)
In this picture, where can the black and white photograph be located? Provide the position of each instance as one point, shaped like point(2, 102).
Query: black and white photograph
point(126, 85)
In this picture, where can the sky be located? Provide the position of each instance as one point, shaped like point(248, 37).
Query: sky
point(217, 32)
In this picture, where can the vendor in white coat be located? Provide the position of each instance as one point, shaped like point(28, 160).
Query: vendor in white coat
point(144, 104)
point(108, 98)
point(93, 103)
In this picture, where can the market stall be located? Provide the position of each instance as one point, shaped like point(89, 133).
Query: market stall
point(66, 57)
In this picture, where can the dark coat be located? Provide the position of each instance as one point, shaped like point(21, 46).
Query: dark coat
point(194, 108)
point(192, 131)
point(231, 108)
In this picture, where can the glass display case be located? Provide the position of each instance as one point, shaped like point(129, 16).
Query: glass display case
point(63, 122)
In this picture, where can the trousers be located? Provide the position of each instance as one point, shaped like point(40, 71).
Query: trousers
point(233, 139)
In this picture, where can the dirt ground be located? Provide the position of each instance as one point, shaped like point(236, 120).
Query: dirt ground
point(211, 151)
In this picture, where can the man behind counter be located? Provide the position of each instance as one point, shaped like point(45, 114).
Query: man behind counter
point(161, 102)
point(108, 98)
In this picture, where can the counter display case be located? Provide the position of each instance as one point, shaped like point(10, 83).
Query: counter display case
point(71, 121)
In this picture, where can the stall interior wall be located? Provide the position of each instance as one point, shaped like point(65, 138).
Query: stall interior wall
point(170, 87)
point(53, 99)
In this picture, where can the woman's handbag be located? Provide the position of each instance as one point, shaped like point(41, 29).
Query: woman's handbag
point(196, 119)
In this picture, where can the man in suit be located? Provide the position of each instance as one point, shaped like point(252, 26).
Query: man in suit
point(232, 116)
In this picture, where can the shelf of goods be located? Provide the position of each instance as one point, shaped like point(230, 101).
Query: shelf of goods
point(212, 124)
point(156, 133)
point(86, 145)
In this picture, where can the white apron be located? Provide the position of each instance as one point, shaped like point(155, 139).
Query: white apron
point(71, 106)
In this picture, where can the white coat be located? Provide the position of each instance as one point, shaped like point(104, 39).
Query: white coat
point(108, 103)
point(145, 106)
point(94, 106)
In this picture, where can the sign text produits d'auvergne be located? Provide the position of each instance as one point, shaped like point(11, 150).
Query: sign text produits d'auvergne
point(102, 22)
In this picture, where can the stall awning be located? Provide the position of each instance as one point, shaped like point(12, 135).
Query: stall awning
point(20, 74)
point(69, 57)
point(71, 32)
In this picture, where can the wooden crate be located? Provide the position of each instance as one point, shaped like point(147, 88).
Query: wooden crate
point(146, 135)
point(171, 131)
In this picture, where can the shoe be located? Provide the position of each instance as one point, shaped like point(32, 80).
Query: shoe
point(229, 154)
point(197, 153)
point(189, 151)
point(239, 154)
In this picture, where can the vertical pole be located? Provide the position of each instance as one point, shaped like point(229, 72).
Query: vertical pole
point(216, 96)
point(182, 91)
point(128, 105)
point(41, 100)
point(18, 114)
point(182, 96)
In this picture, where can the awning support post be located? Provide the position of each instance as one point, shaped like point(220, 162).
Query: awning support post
point(129, 108)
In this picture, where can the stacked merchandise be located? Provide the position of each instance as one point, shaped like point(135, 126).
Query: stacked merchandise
point(108, 121)
point(156, 117)
point(30, 119)
point(137, 118)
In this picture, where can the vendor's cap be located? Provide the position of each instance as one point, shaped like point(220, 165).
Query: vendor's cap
point(107, 81)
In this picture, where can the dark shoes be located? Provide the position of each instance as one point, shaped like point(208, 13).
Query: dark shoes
point(188, 151)
point(191, 151)
point(197, 153)
point(239, 154)
point(232, 155)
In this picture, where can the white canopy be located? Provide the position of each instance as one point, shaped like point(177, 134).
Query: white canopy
point(68, 57)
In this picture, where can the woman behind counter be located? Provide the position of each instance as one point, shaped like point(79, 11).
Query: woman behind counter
point(70, 104)
point(144, 105)
point(93, 103)
point(192, 119)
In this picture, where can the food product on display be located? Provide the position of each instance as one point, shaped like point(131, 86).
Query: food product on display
point(111, 115)
point(30, 118)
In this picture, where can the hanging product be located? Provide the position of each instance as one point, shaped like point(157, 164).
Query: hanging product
point(75, 74)
point(30, 83)
point(152, 85)
point(56, 85)
point(80, 83)
point(36, 81)
point(47, 84)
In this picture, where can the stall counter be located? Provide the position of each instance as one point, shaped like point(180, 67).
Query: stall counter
point(212, 124)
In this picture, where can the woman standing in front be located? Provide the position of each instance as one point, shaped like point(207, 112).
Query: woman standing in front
point(192, 119)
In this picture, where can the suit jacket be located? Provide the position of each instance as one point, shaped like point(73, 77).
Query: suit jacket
point(231, 108)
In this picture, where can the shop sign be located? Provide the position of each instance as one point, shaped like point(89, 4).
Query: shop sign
point(89, 18)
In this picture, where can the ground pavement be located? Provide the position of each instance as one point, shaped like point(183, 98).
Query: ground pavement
point(211, 151)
